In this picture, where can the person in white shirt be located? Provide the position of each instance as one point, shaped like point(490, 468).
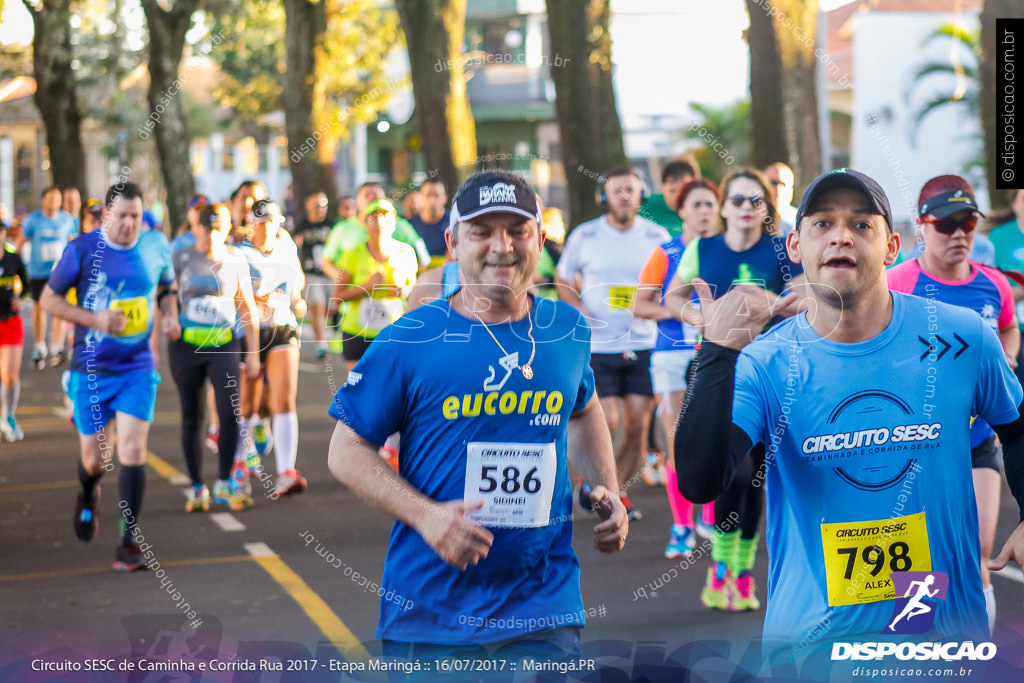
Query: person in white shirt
point(608, 254)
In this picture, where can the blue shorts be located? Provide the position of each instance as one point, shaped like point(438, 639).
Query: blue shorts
point(97, 398)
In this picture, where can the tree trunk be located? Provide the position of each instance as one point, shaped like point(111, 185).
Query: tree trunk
point(800, 87)
point(305, 22)
point(992, 10)
point(56, 96)
point(588, 121)
point(434, 33)
point(768, 142)
point(167, 115)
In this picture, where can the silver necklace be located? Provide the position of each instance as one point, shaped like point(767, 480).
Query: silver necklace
point(525, 369)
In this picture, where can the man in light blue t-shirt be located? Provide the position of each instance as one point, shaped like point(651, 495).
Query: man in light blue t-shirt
point(486, 388)
point(864, 412)
point(48, 231)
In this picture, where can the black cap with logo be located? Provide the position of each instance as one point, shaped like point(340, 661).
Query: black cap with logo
point(494, 192)
point(844, 178)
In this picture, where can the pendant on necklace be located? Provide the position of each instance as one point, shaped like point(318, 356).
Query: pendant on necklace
point(527, 371)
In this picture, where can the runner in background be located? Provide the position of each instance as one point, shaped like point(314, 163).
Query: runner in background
point(661, 208)
point(554, 243)
point(608, 254)
point(121, 274)
point(310, 237)
point(675, 347)
point(47, 231)
point(214, 291)
point(13, 287)
point(277, 283)
point(747, 251)
point(947, 217)
point(432, 220)
point(375, 277)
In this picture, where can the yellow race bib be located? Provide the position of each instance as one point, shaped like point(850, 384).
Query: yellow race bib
point(136, 310)
point(861, 556)
point(620, 297)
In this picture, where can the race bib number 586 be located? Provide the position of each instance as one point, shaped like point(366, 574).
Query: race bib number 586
point(515, 481)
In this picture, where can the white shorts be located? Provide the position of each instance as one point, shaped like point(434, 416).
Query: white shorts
point(668, 370)
point(318, 289)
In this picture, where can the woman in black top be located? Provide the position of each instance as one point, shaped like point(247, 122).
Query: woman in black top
point(13, 283)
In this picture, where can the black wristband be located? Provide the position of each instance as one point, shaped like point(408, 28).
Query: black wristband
point(161, 295)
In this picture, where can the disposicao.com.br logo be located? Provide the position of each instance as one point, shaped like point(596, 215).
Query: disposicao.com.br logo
point(919, 596)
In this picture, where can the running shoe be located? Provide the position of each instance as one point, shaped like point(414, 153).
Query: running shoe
point(58, 358)
point(743, 593)
point(10, 429)
point(390, 454)
point(128, 557)
point(336, 344)
point(681, 543)
point(290, 482)
point(211, 440)
point(85, 517)
point(654, 473)
point(262, 437)
point(240, 477)
point(581, 492)
point(226, 494)
point(704, 530)
point(253, 463)
point(717, 592)
point(321, 353)
point(38, 359)
point(632, 513)
point(198, 499)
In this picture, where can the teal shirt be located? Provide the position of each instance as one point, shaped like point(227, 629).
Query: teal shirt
point(1009, 243)
point(657, 211)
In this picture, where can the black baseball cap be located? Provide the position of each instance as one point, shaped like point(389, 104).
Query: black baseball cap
point(944, 195)
point(844, 178)
point(494, 192)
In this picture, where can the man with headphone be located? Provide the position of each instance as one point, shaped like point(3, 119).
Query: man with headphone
point(608, 254)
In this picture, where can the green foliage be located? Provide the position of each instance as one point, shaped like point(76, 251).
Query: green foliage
point(351, 84)
point(960, 79)
point(724, 133)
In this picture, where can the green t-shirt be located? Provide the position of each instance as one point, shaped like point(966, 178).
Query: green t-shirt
point(367, 316)
point(657, 211)
point(546, 267)
point(1009, 243)
point(349, 233)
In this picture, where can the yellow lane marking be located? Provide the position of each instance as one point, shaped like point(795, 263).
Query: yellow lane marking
point(107, 569)
point(162, 467)
point(311, 603)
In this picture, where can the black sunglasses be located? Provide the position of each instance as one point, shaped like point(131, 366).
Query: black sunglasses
point(949, 225)
point(755, 200)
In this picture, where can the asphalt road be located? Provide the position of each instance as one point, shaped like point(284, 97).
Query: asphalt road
point(264, 597)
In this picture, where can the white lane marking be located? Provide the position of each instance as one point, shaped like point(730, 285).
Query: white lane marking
point(227, 522)
point(181, 480)
point(317, 368)
point(259, 550)
point(1011, 573)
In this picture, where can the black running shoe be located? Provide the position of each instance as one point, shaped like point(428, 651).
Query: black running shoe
point(128, 557)
point(582, 491)
point(85, 517)
point(38, 359)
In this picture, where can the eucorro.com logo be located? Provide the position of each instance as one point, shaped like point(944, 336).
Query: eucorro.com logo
point(914, 613)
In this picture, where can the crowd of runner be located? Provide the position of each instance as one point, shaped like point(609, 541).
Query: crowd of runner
point(231, 288)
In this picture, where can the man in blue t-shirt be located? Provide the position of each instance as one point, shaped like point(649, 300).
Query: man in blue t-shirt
point(432, 220)
point(121, 274)
point(48, 230)
point(485, 387)
point(864, 411)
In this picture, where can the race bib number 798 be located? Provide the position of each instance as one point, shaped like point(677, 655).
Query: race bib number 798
point(515, 481)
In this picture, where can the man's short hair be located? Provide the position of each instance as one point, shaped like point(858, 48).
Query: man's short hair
point(677, 169)
point(370, 183)
point(124, 190)
point(48, 189)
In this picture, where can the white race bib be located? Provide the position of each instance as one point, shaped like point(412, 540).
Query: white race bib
point(51, 251)
point(376, 314)
point(204, 310)
point(515, 480)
